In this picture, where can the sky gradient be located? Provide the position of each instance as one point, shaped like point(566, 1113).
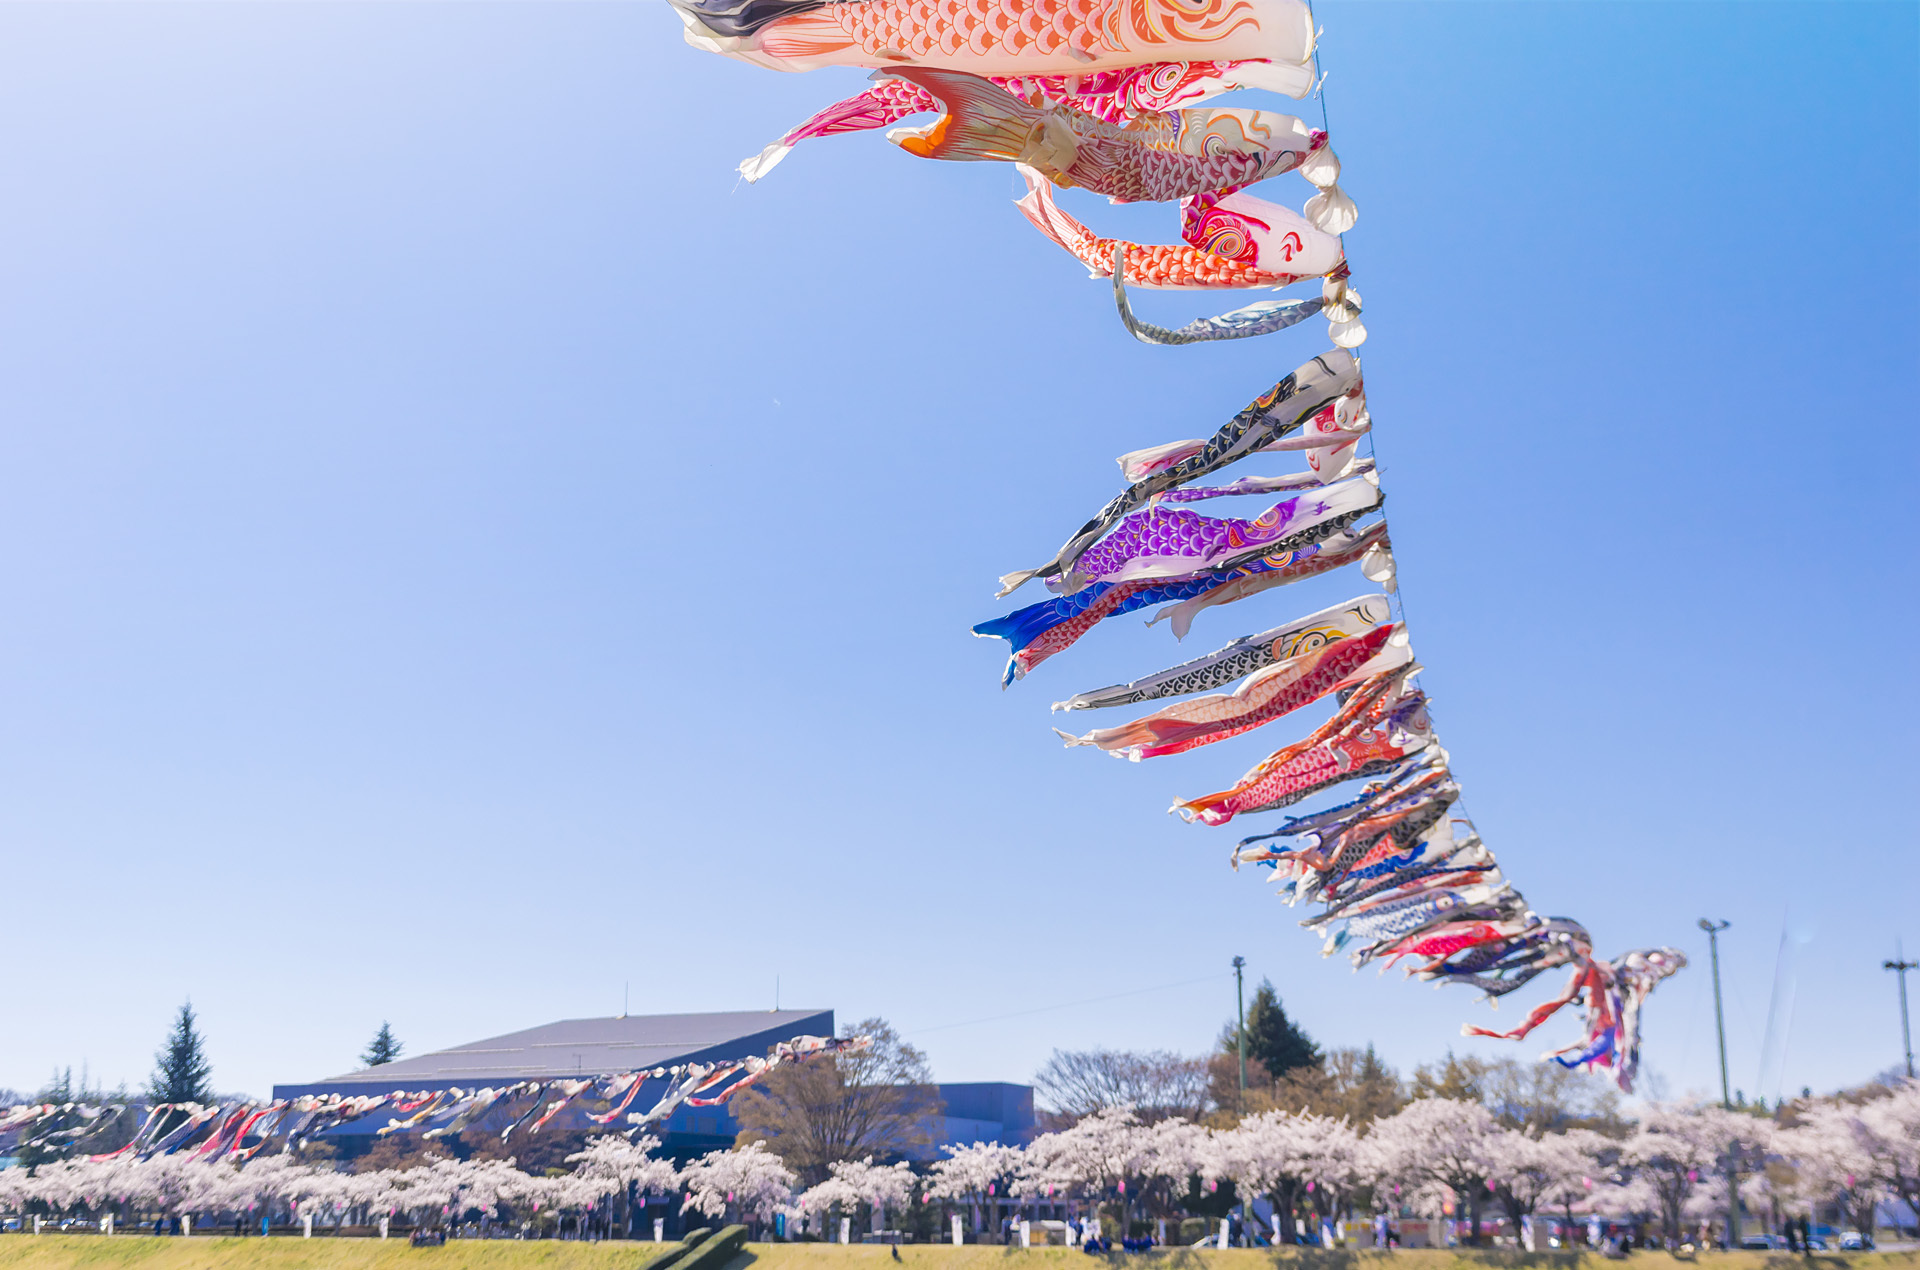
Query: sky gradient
point(466, 553)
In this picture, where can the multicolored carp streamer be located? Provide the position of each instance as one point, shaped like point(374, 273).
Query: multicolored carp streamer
point(1383, 722)
point(241, 1130)
point(1040, 630)
point(1115, 96)
point(1613, 992)
point(1267, 694)
point(1243, 656)
point(1102, 96)
point(1189, 154)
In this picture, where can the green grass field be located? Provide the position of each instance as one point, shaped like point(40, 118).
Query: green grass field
point(91, 1252)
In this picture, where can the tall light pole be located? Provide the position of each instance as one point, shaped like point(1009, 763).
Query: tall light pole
point(1240, 995)
point(1900, 965)
point(1713, 930)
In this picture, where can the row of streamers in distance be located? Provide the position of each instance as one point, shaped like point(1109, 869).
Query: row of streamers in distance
point(242, 1130)
point(1103, 95)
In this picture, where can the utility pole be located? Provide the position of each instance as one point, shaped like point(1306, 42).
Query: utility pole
point(1899, 965)
point(1240, 994)
point(1713, 930)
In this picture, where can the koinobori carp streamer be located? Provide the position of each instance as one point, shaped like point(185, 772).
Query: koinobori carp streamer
point(1302, 251)
point(1041, 630)
point(1267, 694)
point(1167, 542)
point(1104, 96)
point(1154, 157)
point(1114, 96)
point(1242, 657)
point(1282, 409)
point(1382, 723)
point(239, 1130)
point(1006, 37)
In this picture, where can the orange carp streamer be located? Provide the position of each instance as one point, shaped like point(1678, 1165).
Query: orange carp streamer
point(1005, 37)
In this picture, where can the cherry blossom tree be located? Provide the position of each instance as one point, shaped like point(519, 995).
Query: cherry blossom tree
point(610, 1165)
point(1835, 1160)
point(1270, 1154)
point(1889, 1131)
point(1335, 1165)
point(1528, 1170)
point(1438, 1142)
point(1103, 1155)
point(1681, 1148)
point(1175, 1152)
point(852, 1184)
point(749, 1183)
point(977, 1175)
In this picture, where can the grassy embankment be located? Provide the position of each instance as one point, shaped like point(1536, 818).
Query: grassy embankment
point(135, 1252)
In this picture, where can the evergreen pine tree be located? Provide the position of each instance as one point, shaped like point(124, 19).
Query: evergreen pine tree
point(384, 1047)
point(1277, 1041)
point(180, 1068)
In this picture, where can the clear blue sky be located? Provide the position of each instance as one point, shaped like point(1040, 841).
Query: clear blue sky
point(461, 553)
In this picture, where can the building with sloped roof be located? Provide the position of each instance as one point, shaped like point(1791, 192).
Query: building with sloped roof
point(571, 1048)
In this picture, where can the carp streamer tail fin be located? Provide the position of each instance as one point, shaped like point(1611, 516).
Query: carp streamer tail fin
point(982, 121)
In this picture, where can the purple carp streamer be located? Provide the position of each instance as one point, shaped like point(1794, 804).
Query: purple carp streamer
point(1282, 409)
point(1040, 630)
point(1172, 543)
point(242, 1130)
point(1103, 96)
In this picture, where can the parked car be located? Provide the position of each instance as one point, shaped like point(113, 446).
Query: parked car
point(1762, 1243)
point(1816, 1244)
point(1854, 1241)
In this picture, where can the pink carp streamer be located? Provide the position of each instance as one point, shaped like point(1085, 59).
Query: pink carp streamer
point(1114, 96)
point(1155, 157)
point(1268, 694)
point(1312, 253)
